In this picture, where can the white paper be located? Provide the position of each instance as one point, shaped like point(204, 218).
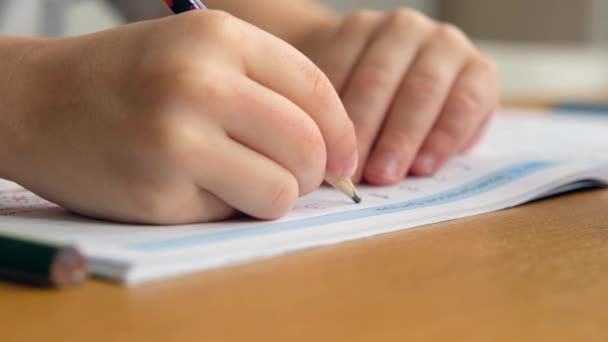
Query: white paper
point(524, 157)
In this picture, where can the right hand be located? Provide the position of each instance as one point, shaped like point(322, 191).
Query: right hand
point(185, 119)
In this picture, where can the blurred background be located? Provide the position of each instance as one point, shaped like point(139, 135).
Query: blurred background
point(547, 50)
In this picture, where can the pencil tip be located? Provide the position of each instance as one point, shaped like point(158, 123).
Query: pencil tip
point(356, 198)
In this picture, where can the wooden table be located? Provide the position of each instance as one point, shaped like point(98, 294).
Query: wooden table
point(533, 273)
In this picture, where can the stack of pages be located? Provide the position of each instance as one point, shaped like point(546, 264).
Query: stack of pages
point(525, 156)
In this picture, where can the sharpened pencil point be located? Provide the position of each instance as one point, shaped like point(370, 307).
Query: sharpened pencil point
point(345, 186)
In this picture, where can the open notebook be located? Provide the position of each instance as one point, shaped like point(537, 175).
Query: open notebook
point(524, 157)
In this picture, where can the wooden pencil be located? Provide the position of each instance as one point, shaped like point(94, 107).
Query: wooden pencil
point(345, 186)
point(40, 263)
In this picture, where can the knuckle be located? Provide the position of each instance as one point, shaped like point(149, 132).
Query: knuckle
point(209, 85)
point(347, 133)
point(321, 85)
point(400, 142)
point(174, 139)
point(313, 157)
point(493, 89)
point(443, 141)
point(219, 20)
point(404, 18)
point(447, 31)
point(488, 64)
point(424, 86)
point(167, 128)
point(444, 135)
point(321, 88)
point(223, 25)
point(281, 196)
point(374, 78)
point(181, 80)
point(361, 17)
point(312, 142)
point(466, 101)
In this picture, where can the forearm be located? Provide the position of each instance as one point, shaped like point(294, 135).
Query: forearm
point(17, 73)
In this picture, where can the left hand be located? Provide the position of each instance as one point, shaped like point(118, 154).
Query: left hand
point(417, 91)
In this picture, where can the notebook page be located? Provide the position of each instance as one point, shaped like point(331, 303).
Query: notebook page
point(563, 136)
point(490, 179)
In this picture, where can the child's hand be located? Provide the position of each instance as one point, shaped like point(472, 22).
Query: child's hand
point(178, 120)
point(417, 91)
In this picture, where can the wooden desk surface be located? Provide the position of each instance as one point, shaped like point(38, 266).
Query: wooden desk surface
point(533, 273)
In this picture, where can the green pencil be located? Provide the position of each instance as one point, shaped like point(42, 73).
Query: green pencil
point(40, 263)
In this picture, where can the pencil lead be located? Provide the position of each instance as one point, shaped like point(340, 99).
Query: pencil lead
point(356, 198)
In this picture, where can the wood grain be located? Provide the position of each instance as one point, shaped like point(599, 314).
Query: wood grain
point(533, 273)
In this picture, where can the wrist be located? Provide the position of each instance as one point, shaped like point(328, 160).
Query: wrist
point(19, 73)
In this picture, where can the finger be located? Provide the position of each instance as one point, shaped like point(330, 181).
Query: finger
point(344, 49)
point(163, 196)
point(192, 205)
point(247, 180)
point(273, 126)
point(280, 67)
point(479, 133)
point(418, 104)
point(199, 206)
point(472, 98)
point(212, 208)
point(372, 86)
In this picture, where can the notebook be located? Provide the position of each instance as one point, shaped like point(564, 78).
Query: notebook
point(524, 157)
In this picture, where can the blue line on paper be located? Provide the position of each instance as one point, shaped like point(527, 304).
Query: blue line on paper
point(483, 184)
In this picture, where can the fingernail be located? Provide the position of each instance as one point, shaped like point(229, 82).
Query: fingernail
point(425, 163)
point(384, 165)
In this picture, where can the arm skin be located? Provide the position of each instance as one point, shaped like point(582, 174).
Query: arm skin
point(14, 54)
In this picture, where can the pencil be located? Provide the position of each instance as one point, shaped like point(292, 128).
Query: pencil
point(40, 263)
point(345, 185)
point(180, 6)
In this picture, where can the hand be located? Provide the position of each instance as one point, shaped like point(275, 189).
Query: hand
point(417, 91)
point(179, 120)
